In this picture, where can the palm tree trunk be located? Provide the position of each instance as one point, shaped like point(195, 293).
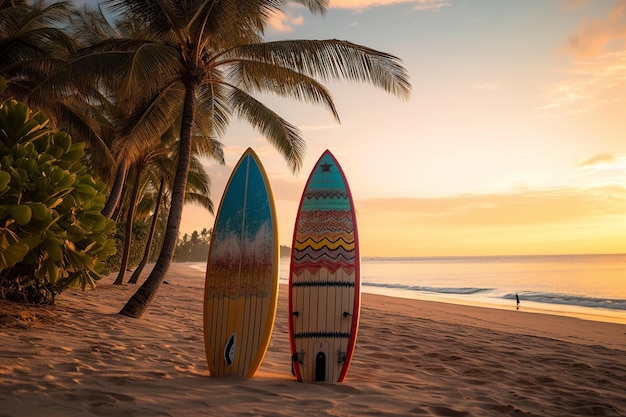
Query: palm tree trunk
point(128, 238)
point(116, 190)
point(136, 306)
point(146, 254)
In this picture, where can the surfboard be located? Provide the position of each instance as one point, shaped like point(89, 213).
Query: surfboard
point(241, 286)
point(324, 277)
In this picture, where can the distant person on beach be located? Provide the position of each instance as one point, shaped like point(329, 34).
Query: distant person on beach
point(517, 299)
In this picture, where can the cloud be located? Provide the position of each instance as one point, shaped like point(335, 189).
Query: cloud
point(431, 5)
point(588, 85)
point(483, 86)
point(607, 168)
point(559, 220)
point(284, 23)
point(599, 70)
point(420, 5)
point(594, 36)
point(531, 207)
point(602, 158)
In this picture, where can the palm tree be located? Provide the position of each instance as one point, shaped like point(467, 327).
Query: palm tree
point(159, 158)
point(205, 59)
point(91, 26)
point(158, 203)
point(130, 215)
point(34, 42)
point(31, 34)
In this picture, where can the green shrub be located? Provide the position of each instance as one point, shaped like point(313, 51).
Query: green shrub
point(52, 235)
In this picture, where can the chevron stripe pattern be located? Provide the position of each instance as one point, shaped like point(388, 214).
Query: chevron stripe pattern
point(324, 237)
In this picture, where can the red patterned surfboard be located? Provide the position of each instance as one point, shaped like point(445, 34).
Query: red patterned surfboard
point(324, 277)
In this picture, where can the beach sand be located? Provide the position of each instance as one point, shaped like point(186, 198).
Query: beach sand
point(80, 358)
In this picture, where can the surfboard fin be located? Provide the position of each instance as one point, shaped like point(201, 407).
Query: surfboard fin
point(346, 314)
point(229, 349)
point(320, 367)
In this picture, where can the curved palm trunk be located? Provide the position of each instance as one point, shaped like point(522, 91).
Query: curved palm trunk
point(146, 254)
point(137, 304)
point(116, 190)
point(128, 238)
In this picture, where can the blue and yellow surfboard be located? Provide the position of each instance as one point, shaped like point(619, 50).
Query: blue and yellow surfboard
point(241, 287)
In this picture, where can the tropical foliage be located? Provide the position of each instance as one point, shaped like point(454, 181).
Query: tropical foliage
point(138, 243)
point(194, 247)
point(52, 235)
point(155, 75)
point(204, 61)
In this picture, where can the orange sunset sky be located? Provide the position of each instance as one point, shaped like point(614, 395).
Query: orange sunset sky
point(513, 141)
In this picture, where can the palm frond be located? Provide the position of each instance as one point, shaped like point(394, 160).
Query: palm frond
point(77, 121)
point(262, 77)
point(286, 137)
point(33, 31)
point(333, 60)
point(94, 69)
point(90, 26)
point(212, 111)
point(158, 15)
point(218, 25)
point(145, 206)
point(208, 147)
point(315, 6)
point(199, 186)
point(150, 67)
point(164, 168)
point(201, 199)
point(150, 122)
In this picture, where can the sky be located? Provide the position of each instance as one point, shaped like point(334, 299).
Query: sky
point(511, 143)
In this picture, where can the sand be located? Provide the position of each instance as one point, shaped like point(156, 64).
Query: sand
point(412, 358)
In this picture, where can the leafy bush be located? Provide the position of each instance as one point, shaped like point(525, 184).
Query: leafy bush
point(52, 235)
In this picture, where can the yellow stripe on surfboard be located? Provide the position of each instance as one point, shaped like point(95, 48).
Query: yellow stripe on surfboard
point(326, 242)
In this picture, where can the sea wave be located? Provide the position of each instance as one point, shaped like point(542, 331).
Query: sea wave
point(572, 300)
point(418, 288)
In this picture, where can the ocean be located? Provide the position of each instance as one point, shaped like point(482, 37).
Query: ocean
point(586, 286)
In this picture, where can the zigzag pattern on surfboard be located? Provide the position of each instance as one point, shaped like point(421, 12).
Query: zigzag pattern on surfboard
point(323, 194)
point(325, 239)
point(313, 284)
point(325, 242)
point(319, 255)
point(319, 335)
point(313, 261)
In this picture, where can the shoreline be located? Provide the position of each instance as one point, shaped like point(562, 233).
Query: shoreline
point(518, 322)
point(596, 314)
point(81, 358)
